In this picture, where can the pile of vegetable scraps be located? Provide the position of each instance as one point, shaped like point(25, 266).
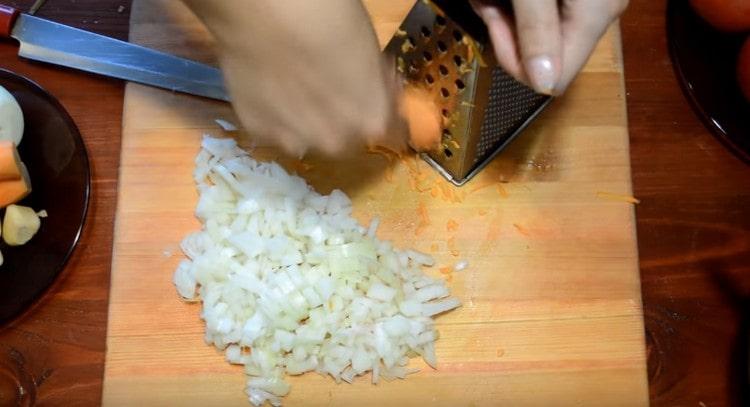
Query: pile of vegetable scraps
point(20, 223)
point(291, 283)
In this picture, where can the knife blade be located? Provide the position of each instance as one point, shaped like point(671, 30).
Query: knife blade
point(54, 43)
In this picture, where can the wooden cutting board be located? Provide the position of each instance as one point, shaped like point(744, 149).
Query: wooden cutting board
point(551, 300)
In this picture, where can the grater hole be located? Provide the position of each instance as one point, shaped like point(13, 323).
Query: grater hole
point(441, 46)
point(440, 21)
point(448, 153)
point(444, 92)
point(426, 33)
point(445, 113)
point(460, 85)
point(457, 36)
point(413, 68)
point(443, 70)
point(458, 60)
point(427, 56)
point(411, 44)
point(429, 79)
point(447, 134)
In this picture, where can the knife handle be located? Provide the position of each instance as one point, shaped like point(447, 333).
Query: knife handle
point(7, 19)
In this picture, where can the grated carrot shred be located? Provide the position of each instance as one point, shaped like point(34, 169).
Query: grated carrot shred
point(422, 210)
point(424, 218)
point(452, 225)
point(457, 197)
point(412, 184)
point(422, 188)
point(452, 247)
point(408, 164)
point(446, 192)
point(502, 191)
point(464, 69)
point(617, 197)
point(521, 229)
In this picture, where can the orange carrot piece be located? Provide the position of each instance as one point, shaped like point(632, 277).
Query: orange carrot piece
point(10, 161)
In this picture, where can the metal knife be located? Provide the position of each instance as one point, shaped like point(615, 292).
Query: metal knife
point(47, 41)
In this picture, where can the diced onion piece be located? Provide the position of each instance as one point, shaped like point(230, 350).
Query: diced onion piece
point(290, 275)
point(381, 292)
point(438, 307)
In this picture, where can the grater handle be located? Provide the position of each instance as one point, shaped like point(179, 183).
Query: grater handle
point(8, 16)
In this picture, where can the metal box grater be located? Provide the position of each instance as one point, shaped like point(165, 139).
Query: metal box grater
point(443, 47)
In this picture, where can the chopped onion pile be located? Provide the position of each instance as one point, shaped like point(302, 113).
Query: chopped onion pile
point(291, 283)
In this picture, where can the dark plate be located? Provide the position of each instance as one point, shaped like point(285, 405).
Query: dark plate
point(54, 153)
point(705, 61)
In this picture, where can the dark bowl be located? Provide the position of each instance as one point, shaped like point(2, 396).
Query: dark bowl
point(705, 61)
point(54, 153)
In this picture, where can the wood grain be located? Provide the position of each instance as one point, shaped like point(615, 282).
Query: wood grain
point(61, 339)
point(551, 314)
point(687, 182)
point(693, 231)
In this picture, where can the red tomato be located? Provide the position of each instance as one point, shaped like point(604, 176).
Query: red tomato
point(743, 69)
point(725, 15)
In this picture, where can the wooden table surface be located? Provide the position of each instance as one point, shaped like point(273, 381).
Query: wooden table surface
point(693, 228)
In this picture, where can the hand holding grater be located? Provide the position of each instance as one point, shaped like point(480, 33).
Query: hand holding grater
point(443, 47)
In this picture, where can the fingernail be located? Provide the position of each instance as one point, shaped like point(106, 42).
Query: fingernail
point(541, 74)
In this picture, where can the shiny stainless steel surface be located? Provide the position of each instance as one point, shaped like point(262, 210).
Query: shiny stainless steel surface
point(446, 52)
point(47, 41)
